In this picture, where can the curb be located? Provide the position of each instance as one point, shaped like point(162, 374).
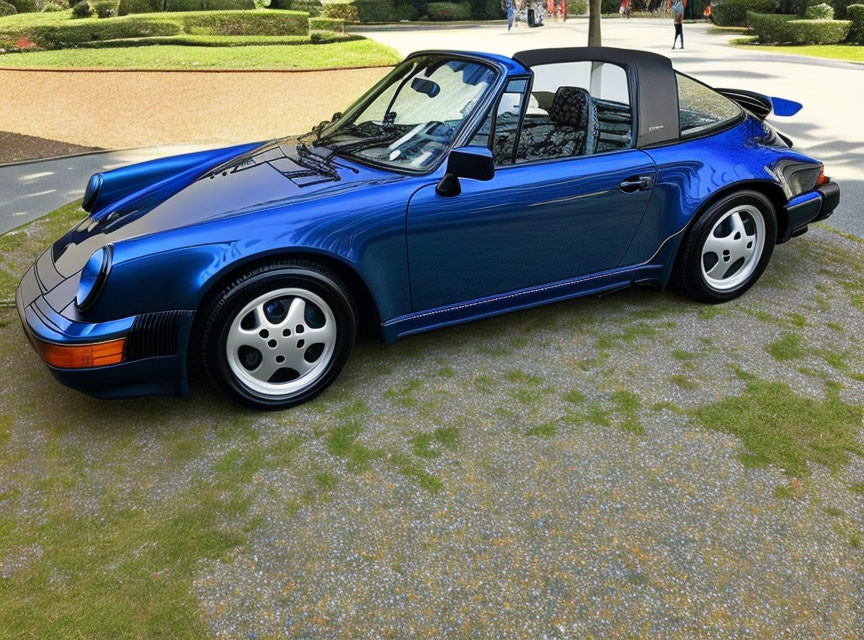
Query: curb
point(112, 70)
point(19, 163)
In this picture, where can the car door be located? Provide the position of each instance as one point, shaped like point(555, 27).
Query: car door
point(541, 219)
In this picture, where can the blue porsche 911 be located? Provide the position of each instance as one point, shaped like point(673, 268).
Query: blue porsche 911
point(461, 186)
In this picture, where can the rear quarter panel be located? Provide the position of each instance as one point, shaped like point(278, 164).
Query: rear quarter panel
point(690, 173)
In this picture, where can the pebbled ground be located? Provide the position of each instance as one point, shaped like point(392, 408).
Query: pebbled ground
point(636, 466)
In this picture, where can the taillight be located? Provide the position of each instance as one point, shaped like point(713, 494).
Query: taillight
point(822, 179)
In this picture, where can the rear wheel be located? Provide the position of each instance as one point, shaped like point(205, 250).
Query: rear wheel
point(279, 335)
point(727, 248)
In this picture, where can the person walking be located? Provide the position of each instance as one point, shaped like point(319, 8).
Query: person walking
point(510, 7)
point(678, 21)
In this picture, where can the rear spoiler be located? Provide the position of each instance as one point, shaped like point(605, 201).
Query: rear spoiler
point(761, 105)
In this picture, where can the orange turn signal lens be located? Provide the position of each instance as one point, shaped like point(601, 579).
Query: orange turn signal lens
point(80, 356)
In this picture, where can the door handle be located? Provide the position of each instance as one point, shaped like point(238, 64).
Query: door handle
point(636, 183)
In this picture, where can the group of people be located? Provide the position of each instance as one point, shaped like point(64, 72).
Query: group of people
point(537, 8)
point(534, 11)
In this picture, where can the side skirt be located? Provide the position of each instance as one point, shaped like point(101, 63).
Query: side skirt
point(594, 284)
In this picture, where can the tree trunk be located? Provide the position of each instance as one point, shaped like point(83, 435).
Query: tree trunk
point(594, 23)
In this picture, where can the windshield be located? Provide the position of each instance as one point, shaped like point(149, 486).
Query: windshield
point(413, 115)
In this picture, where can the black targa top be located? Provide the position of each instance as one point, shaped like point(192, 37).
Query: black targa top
point(653, 87)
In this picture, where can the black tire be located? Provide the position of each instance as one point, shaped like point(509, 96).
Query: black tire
point(224, 307)
point(688, 273)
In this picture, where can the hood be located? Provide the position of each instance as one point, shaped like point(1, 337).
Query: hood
point(266, 176)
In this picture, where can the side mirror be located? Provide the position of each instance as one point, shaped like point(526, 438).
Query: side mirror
point(475, 163)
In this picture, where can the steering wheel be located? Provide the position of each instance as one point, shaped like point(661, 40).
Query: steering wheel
point(424, 134)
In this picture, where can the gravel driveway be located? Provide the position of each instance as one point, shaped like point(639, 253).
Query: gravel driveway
point(635, 466)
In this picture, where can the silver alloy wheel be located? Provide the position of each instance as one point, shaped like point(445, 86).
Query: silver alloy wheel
point(732, 250)
point(281, 342)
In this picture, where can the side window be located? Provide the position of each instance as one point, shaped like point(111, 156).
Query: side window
point(701, 108)
point(576, 109)
point(505, 124)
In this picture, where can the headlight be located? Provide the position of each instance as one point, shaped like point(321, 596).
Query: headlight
point(93, 277)
point(92, 193)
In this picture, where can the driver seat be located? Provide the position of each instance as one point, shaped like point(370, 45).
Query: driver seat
point(568, 131)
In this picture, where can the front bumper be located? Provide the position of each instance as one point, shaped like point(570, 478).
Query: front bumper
point(808, 207)
point(146, 353)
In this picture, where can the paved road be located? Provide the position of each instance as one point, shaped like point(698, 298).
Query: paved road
point(30, 190)
point(829, 126)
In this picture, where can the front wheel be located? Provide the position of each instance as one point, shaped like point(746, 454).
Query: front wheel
point(279, 335)
point(727, 248)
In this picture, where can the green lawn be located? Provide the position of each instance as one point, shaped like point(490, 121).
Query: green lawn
point(848, 52)
point(355, 53)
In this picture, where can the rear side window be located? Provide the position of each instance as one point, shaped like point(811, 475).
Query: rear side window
point(701, 108)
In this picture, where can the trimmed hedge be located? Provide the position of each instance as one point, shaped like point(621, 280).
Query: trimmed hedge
point(819, 31)
point(855, 12)
point(771, 27)
point(221, 41)
point(783, 29)
point(359, 10)
point(140, 6)
point(447, 11)
point(173, 6)
point(7, 9)
point(326, 24)
point(819, 12)
point(70, 33)
point(733, 13)
point(246, 23)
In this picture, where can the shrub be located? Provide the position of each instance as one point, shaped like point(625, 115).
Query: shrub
point(478, 8)
point(312, 7)
point(23, 6)
point(359, 10)
point(105, 8)
point(771, 27)
point(7, 9)
point(139, 6)
point(819, 31)
point(781, 29)
point(446, 11)
point(183, 5)
point(406, 12)
point(229, 5)
point(53, 7)
point(855, 12)
point(840, 7)
point(819, 12)
point(493, 10)
point(577, 8)
point(609, 6)
point(799, 7)
point(326, 24)
point(69, 33)
point(82, 10)
point(733, 13)
point(246, 23)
